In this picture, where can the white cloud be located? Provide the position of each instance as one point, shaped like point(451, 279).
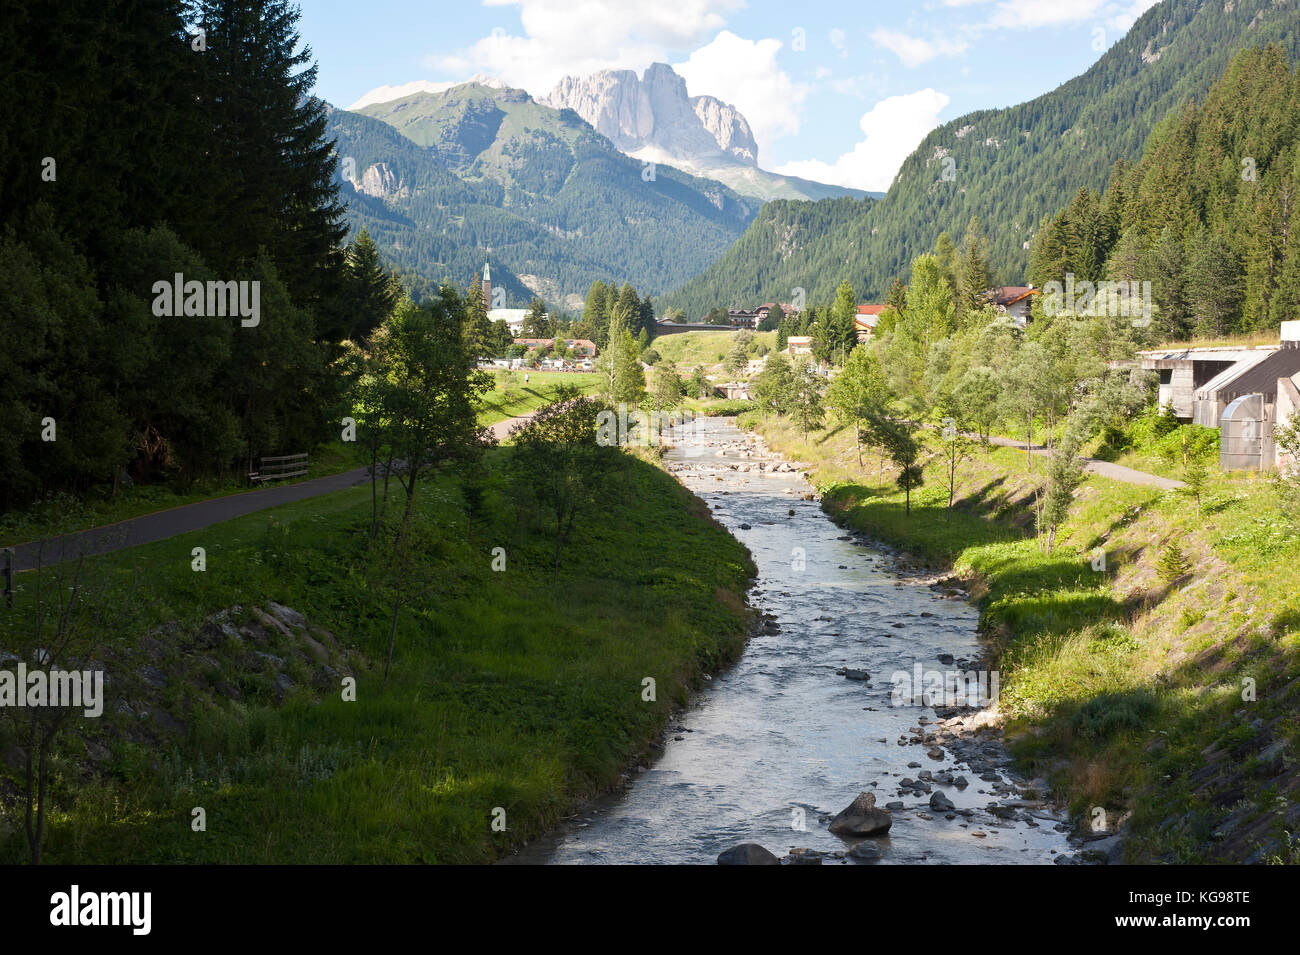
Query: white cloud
point(1126, 16)
point(914, 51)
point(384, 94)
point(578, 37)
point(839, 40)
point(1117, 15)
point(1037, 13)
point(891, 130)
point(745, 74)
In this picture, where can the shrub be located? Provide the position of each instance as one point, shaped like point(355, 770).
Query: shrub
point(1173, 565)
point(1110, 713)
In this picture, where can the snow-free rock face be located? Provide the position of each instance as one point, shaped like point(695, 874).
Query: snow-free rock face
point(656, 111)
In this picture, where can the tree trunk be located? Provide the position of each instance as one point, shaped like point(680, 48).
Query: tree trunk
point(392, 633)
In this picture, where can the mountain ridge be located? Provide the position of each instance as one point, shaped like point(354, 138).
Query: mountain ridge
point(438, 179)
point(1011, 167)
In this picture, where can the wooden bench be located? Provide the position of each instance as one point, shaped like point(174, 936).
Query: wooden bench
point(283, 466)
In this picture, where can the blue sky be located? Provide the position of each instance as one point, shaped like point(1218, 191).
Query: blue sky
point(836, 91)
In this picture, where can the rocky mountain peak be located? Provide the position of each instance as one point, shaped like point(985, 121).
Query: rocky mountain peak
point(655, 112)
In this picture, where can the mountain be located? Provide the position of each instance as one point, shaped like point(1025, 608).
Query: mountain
point(653, 119)
point(383, 94)
point(1010, 167)
point(438, 178)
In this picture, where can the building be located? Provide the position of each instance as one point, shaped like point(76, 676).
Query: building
point(580, 347)
point(740, 318)
point(1243, 392)
point(515, 318)
point(676, 328)
point(867, 319)
point(733, 391)
point(1184, 371)
point(1014, 300)
point(798, 345)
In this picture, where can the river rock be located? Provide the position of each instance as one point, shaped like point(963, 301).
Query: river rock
point(941, 803)
point(748, 853)
point(862, 818)
point(866, 850)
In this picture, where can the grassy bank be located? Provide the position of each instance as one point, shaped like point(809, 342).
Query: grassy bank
point(509, 690)
point(1168, 700)
point(512, 398)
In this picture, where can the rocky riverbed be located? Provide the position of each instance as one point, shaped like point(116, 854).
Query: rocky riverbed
point(805, 751)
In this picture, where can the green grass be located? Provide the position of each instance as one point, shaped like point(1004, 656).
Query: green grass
point(689, 349)
point(1116, 684)
point(512, 398)
point(508, 689)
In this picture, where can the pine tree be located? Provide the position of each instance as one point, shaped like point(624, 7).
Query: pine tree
point(372, 290)
point(270, 170)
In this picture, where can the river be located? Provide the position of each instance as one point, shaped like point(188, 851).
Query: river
point(780, 742)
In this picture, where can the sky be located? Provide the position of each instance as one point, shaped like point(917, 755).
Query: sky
point(834, 90)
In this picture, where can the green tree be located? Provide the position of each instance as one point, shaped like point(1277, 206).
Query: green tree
point(858, 393)
point(536, 322)
point(372, 292)
point(559, 461)
point(774, 386)
point(806, 398)
point(898, 440)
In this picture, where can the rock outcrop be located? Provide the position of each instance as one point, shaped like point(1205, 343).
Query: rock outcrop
point(655, 111)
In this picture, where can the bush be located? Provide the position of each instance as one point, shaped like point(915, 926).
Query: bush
point(1110, 713)
point(1173, 565)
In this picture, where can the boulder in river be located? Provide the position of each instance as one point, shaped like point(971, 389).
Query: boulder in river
point(866, 850)
point(747, 853)
point(941, 803)
point(862, 818)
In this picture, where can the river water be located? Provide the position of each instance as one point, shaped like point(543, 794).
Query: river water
point(779, 742)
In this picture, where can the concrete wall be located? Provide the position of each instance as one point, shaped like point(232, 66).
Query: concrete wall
point(1288, 402)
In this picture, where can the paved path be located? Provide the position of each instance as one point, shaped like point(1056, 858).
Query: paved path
point(1116, 472)
point(161, 525)
point(179, 520)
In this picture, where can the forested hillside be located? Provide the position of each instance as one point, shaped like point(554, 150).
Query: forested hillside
point(147, 151)
point(444, 177)
point(1008, 167)
point(1206, 216)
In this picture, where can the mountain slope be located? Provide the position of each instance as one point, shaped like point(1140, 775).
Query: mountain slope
point(1011, 167)
point(439, 178)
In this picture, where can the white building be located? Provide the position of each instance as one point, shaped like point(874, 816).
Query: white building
point(513, 317)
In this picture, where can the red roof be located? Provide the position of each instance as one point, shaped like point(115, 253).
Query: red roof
point(871, 309)
point(1010, 294)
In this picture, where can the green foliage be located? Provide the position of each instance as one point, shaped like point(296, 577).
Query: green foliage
point(1107, 714)
point(1172, 565)
point(239, 187)
point(1205, 215)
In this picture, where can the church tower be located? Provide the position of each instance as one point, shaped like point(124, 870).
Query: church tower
point(487, 287)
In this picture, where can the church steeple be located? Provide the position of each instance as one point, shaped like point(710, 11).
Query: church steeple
point(487, 287)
